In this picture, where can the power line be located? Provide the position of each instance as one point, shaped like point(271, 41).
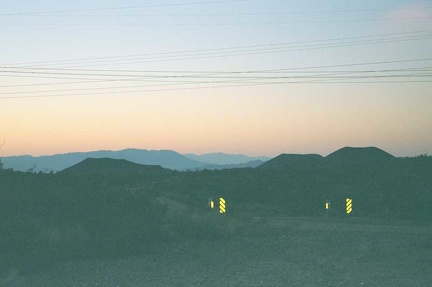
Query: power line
point(206, 74)
point(240, 50)
point(256, 52)
point(90, 81)
point(212, 87)
point(219, 24)
point(51, 84)
point(46, 13)
point(246, 52)
point(121, 8)
point(230, 80)
point(236, 72)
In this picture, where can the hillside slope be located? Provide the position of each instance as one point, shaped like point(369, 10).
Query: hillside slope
point(293, 161)
point(359, 155)
point(165, 158)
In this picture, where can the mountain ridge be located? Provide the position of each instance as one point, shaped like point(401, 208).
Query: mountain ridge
point(293, 161)
point(95, 165)
point(220, 158)
point(173, 160)
point(165, 158)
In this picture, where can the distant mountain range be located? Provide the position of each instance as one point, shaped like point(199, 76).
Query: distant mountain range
point(213, 161)
point(251, 164)
point(292, 184)
point(225, 159)
point(164, 158)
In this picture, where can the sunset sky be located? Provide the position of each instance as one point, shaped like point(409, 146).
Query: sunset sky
point(258, 77)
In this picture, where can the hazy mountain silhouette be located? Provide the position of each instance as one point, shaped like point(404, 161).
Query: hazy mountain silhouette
point(249, 164)
point(296, 161)
point(165, 158)
point(224, 159)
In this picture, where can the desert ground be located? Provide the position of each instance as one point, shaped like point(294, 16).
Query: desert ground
point(275, 251)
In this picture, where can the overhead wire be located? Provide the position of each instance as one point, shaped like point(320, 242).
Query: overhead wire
point(232, 80)
point(217, 79)
point(221, 24)
point(121, 8)
point(212, 14)
point(207, 72)
point(315, 74)
point(339, 76)
point(62, 12)
point(212, 87)
point(235, 51)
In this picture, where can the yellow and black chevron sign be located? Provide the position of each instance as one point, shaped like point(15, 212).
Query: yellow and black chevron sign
point(221, 205)
point(348, 205)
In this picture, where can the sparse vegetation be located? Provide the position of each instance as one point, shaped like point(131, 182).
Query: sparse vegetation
point(46, 218)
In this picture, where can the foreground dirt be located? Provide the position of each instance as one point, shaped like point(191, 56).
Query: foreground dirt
point(271, 252)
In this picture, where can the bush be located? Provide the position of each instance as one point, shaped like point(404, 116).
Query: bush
point(87, 225)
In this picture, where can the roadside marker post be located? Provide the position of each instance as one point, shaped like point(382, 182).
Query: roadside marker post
point(221, 205)
point(348, 205)
point(327, 212)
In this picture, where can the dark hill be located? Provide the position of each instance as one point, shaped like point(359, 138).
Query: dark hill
point(115, 168)
point(165, 158)
point(293, 161)
point(357, 155)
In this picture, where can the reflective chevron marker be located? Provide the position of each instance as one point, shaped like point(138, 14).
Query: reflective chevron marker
point(221, 205)
point(348, 205)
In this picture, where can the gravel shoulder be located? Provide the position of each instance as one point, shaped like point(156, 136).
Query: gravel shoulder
point(270, 252)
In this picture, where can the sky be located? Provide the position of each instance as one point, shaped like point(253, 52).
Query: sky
point(257, 77)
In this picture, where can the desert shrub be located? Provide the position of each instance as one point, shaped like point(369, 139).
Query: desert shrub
point(37, 231)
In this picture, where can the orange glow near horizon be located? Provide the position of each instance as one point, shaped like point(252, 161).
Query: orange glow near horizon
point(313, 121)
